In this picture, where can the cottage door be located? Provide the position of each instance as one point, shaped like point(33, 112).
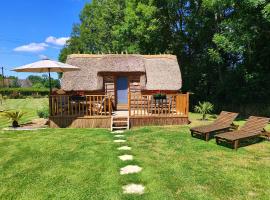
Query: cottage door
point(122, 92)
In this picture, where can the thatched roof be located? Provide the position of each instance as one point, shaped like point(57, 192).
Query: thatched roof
point(159, 72)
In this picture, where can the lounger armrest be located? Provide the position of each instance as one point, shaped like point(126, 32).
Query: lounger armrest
point(234, 127)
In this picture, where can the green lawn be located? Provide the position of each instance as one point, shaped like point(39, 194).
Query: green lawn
point(29, 106)
point(83, 164)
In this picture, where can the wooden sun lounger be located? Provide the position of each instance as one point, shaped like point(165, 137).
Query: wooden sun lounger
point(254, 127)
point(224, 122)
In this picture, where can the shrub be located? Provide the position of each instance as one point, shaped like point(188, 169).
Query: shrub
point(14, 116)
point(43, 112)
point(204, 109)
point(22, 92)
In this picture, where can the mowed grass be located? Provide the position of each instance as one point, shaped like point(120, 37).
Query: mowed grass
point(83, 164)
point(28, 105)
point(177, 166)
point(58, 164)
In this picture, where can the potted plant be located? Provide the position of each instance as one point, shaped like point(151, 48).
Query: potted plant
point(14, 116)
point(159, 96)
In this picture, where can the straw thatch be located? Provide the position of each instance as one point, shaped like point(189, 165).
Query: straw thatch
point(159, 72)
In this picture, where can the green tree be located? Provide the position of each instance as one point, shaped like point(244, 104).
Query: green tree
point(223, 46)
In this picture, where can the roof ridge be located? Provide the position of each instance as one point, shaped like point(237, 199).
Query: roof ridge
point(103, 55)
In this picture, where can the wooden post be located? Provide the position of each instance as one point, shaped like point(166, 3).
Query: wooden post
point(129, 104)
point(187, 103)
point(110, 106)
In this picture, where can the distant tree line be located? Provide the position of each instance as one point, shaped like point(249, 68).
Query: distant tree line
point(43, 81)
point(223, 46)
point(33, 81)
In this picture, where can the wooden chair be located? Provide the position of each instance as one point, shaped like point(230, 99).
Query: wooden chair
point(254, 127)
point(103, 107)
point(224, 122)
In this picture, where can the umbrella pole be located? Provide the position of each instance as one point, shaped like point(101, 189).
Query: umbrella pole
point(50, 98)
point(50, 83)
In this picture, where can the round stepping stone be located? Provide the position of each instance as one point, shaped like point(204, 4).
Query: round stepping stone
point(124, 148)
point(130, 169)
point(126, 157)
point(119, 141)
point(117, 132)
point(133, 189)
point(119, 136)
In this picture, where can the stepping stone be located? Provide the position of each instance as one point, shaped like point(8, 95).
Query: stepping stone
point(119, 141)
point(117, 132)
point(124, 148)
point(133, 189)
point(126, 157)
point(119, 136)
point(130, 169)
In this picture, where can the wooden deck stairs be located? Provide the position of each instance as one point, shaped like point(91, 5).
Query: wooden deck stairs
point(119, 123)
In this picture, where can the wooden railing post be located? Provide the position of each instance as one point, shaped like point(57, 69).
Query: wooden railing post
point(110, 106)
point(129, 104)
point(187, 104)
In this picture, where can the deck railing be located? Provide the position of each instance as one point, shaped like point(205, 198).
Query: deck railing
point(101, 105)
point(147, 105)
point(89, 105)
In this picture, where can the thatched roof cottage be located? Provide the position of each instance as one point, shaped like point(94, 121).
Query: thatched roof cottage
point(143, 85)
point(155, 72)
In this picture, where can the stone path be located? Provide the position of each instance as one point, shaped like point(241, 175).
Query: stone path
point(119, 141)
point(131, 188)
point(117, 132)
point(130, 169)
point(125, 148)
point(119, 136)
point(126, 157)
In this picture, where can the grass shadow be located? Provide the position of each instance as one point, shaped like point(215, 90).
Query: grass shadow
point(242, 143)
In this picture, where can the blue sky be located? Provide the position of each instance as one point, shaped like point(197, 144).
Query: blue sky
point(32, 29)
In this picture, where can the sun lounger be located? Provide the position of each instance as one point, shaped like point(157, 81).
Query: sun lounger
point(224, 122)
point(254, 127)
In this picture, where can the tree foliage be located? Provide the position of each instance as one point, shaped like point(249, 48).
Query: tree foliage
point(223, 46)
point(43, 81)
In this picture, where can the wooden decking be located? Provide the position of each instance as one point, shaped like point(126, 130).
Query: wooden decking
point(96, 110)
point(147, 105)
point(80, 106)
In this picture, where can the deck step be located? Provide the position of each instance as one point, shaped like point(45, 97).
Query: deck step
point(120, 122)
point(120, 127)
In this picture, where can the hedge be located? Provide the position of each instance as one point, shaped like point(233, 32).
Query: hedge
point(20, 92)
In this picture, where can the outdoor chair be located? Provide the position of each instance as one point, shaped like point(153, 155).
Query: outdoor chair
point(223, 123)
point(101, 108)
point(254, 127)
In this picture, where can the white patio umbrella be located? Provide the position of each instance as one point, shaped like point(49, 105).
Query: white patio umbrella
point(46, 65)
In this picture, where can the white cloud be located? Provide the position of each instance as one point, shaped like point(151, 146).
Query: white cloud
point(32, 47)
point(41, 56)
point(57, 41)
